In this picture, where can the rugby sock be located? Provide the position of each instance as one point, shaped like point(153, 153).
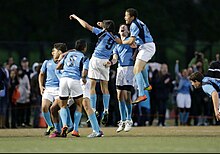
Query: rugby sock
point(77, 118)
point(47, 118)
point(60, 122)
point(181, 117)
point(94, 122)
point(106, 98)
point(145, 76)
point(122, 110)
point(63, 116)
point(139, 80)
point(69, 119)
point(185, 118)
point(93, 99)
point(57, 127)
point(129, 110)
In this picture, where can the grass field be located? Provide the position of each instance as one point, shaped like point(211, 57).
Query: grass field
point(194, 139)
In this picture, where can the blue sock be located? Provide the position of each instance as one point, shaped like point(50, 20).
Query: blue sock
point(60, 122)
point(57, 127)
point(122, 110)
point(140, 83)
point(69, 119)
point(129, 110)
point(77, 118)
point(146, 92)
point(63, 116)
point(94, 122)
point(47, 118)
point(93, 99)
point(181, 117)
point(185, 118)
point(106, 98)
point(145, 75)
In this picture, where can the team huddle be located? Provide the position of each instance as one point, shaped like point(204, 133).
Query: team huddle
point(70, 75)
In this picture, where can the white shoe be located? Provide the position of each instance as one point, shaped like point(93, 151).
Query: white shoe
point(121, 126)
point(128, 125)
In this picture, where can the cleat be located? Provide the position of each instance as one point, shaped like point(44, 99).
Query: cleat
point(104, 119)
point(149, 88)
point(49, 130)
point(95, 134)
point(55, 134)
point(128, 125)
point(64, 131)
point(121, 126)
point(75, 133)
point(140, 99)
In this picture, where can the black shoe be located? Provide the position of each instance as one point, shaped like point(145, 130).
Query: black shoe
point(104, 119)
point(49, 130)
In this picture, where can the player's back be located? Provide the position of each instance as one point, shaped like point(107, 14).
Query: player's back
point(141, 32)
point(105, 44)
point(73, 63)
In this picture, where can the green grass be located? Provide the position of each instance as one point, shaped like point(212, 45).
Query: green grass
point(140, 139)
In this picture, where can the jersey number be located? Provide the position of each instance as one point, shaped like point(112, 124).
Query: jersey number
point(109, 44)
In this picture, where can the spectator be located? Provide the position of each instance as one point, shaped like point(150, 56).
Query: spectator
point(36, 95)
point(13, 84)
point(3, 96)
point(162, 85)
point(23, 106)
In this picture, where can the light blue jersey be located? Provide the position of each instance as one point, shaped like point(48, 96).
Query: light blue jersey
point(140, 31)
point(105, 44)
point(86, 64)
point(184, 86)
point(48, 68)
point(207, 85)
point(73, 64)
point(125, 53)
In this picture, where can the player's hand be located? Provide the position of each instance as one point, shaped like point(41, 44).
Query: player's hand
point(100, 24)
point(84, 80)
point(42, 90)
point(134, 45)
point(73, 16)
point(107, 64)
point(217, 116)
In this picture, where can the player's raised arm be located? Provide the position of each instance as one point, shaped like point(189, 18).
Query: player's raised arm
point(82, 22)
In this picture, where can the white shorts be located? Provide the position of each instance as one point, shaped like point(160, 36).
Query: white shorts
point(70, 87)
point(146, 51)
point(97, 70)
point(125, 76)
point(183, 100)
point(86, 88)
point(51, 93)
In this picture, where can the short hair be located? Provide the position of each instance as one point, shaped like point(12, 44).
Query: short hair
point(60, 46)
point(80, 44)
point(109, 25)
point(196, 76)
point(132, 12)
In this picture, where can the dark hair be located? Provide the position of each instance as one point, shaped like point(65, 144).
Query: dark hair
point(109, 25)
point(80, 44)
point(60, 46)
point(132, 12)
point(196, 76)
